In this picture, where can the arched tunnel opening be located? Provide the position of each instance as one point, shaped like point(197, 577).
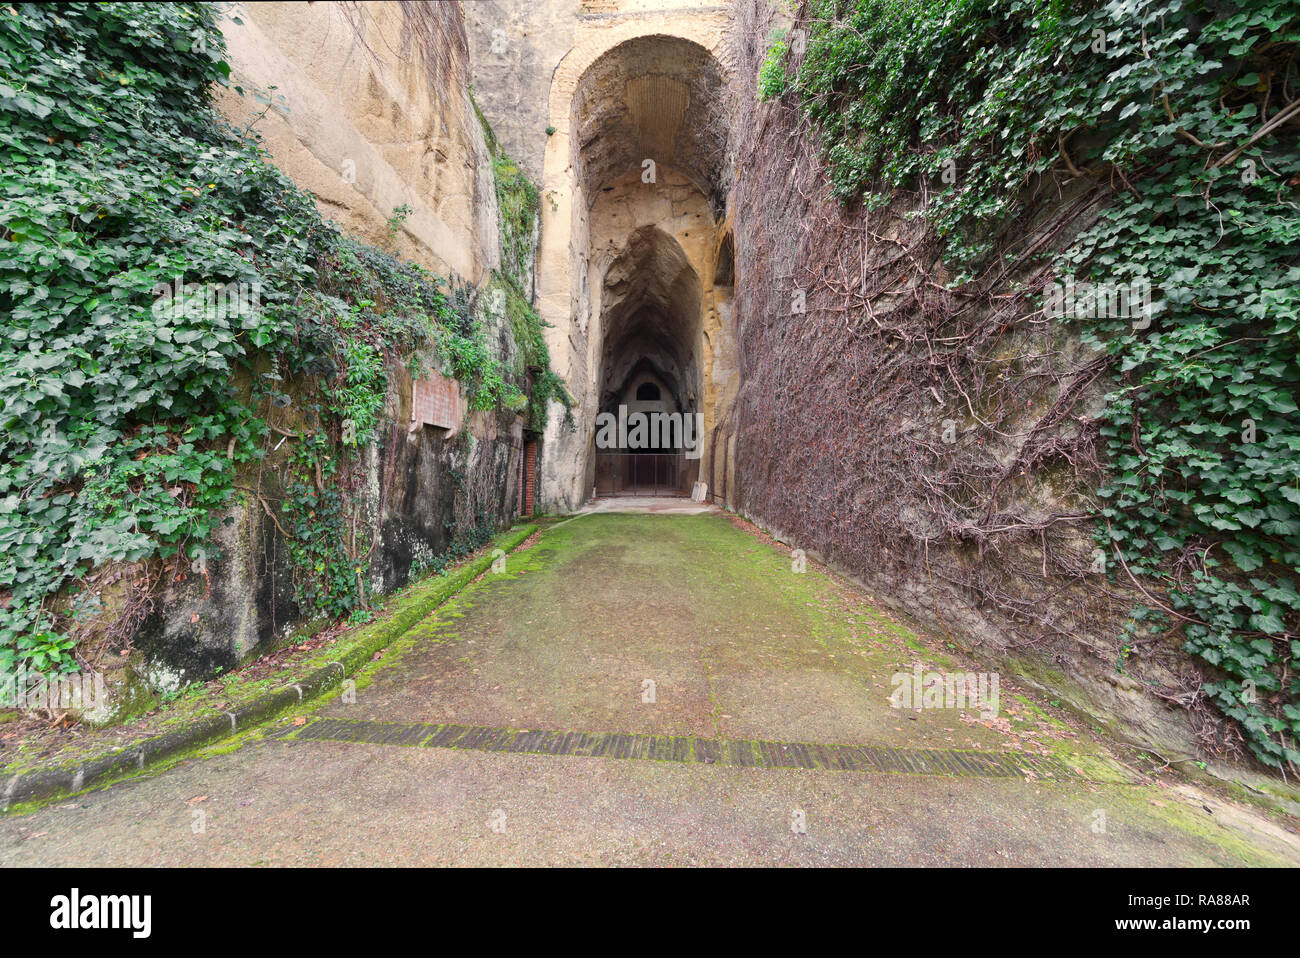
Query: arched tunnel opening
point(649, 370)
point(652, 313)
point(647, 156)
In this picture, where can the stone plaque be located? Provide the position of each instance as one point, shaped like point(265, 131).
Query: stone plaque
point(435, 402)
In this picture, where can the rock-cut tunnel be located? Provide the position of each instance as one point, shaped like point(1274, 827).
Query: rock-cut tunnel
point(650, 290)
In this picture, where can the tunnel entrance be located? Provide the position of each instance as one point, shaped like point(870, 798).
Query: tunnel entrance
point(648, 323)
point(649, 370)
point(648, 150)
point(644, 474)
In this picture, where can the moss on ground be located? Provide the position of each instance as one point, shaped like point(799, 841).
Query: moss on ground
point(395, 613)
point(702, 592)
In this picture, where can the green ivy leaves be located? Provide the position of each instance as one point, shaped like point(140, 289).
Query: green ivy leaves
point(127, 200)
point(1169, 100)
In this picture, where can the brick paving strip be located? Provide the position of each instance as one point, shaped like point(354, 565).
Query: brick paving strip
point(965, 763)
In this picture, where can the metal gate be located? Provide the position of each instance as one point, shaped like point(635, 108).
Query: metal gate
point(642, 474)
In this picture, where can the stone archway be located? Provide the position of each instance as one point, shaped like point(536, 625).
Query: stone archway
point(634, 197)
point(650, 300)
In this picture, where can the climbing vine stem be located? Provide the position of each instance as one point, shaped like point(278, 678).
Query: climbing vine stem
point(1183, 113)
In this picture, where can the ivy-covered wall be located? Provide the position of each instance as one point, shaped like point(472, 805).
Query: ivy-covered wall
point(1017, 283)
point(206, 384)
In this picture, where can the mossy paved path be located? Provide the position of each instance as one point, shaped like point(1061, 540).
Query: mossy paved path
point(517, 725)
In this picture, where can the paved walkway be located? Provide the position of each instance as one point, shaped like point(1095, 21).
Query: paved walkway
point(663, 505)
point(651, 688)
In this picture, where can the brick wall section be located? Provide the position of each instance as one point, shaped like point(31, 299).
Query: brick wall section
point(523, 477)
point(530, 476)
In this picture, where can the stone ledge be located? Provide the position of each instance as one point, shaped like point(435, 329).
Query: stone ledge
point(44, 784)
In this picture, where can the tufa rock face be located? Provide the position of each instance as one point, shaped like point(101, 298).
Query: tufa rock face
point(421, 486)
point(371, 111)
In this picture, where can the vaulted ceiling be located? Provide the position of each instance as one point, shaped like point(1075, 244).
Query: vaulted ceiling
point(657, 98)
point(651, 302)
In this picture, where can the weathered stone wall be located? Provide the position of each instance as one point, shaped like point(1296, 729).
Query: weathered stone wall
point(859, 371)
point(417, 488)
point(616, 82)
point(514, 49)
point(371, 110)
